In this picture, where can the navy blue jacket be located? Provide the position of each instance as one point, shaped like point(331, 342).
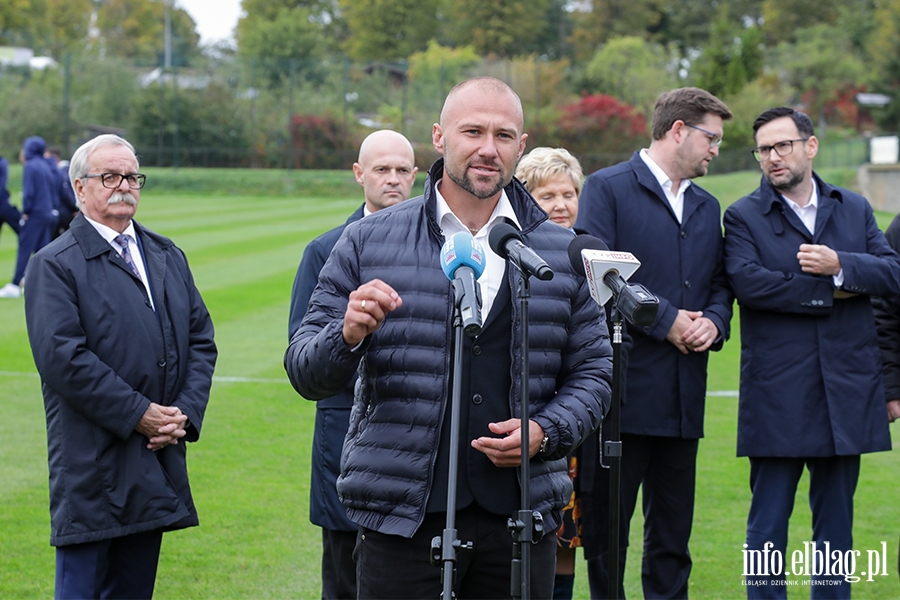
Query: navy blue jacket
point(404, 376)
point(104, 355)
point(332, 414)
point(887, 320)
point(39, 182)
point(682, 264)
point(811, 381)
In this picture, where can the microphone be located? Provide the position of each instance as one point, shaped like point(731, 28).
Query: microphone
point(507, 242)
point(462, 259)
point(633, 300)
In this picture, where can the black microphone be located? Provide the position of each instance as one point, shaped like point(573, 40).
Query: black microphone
point(633, 300)
point(507, 242)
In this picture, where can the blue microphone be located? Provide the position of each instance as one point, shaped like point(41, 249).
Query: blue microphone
point(462, 259)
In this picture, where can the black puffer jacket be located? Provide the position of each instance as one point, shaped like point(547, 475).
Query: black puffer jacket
point(391, 447)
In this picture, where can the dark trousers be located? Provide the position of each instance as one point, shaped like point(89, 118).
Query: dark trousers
point(36, 233)
point(667, 469)
point(123, 567)
point(773, 481)
point(10, 215)
point(338, 568)
point(390, 566)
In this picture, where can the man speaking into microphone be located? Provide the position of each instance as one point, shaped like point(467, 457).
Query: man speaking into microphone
point(384, 303)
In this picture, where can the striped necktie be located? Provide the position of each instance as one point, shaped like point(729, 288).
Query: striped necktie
point(122, 240)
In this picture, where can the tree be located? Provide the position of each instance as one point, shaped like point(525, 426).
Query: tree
point(884, 50)
point(68, 26)
point(783, 19)
point(601, 131)
point(290, 35)
point(632, 70)
point(135, 29)
point(731, 58)
point(500, 28)
point(821, 65)
point(606, 19)
point(388, 29)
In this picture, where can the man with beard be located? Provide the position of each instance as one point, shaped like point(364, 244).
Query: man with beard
point(648, 206)
point(383, 304)
point(124, 347)
point(386, 170)
point(803, 258)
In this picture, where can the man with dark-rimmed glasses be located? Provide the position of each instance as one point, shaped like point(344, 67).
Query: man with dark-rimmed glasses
point(124, 346)
point(803, 258)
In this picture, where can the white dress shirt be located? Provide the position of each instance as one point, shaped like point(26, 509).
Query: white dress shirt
point(808, 214)
point(675, 198)
point(492, 278)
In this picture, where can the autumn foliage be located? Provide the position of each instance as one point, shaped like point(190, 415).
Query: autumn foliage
point(601, 130)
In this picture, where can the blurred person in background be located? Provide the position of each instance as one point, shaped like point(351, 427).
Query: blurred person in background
point(9, 214)
point(386, 171)
point(39, 215)
point(554, 176)
point(66, 206)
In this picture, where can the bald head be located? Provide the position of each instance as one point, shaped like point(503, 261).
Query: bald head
point(386, 169)
point(485, 87)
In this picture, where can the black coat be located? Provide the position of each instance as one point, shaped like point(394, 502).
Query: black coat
point(810, 365)
point(332, 414)
point(683, 265)
point(404, 378)
point(887, 320)
point(104, 355)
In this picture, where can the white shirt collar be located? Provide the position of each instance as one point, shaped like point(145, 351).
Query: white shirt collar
point(663, 179)
point(450, 223)
point(108, 233)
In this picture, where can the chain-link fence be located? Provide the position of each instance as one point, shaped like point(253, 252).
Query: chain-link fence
point(236, 112)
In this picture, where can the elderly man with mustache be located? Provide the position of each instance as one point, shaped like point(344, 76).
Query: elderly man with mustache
point(124, 347)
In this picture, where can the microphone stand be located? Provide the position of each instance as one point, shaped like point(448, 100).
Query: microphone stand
point(444, 548)
point(613, 449)
point(526, 526)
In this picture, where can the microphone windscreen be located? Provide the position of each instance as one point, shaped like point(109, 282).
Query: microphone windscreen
point(583, 242)
point(462, 249)
point(500, 234)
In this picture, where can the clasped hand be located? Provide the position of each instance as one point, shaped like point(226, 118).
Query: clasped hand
point(162, 426)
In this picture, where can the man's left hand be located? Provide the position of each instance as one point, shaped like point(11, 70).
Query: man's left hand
point(700, 335)
point(818, 260)
point(506, 451)
point(893, 408)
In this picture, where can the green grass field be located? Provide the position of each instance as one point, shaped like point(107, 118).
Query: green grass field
point(244, 233)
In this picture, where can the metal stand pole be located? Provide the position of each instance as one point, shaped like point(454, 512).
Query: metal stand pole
point(613, 449)
point(444, 548)
point(526, 526)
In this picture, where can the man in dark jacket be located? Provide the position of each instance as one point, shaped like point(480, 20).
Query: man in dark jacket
point(386, 170)
point(39, 213)
point(887, 321)
point(124, 347)
point(65, 203)
point(384, 304)
point(803, 258)
point(648, 206)
point(9, 214)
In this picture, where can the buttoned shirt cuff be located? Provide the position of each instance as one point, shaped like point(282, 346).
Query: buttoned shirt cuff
point(839, 278)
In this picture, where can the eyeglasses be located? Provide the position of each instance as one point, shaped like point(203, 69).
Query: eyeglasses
point(113, 180)
point(781, 149)
point(714, 140)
